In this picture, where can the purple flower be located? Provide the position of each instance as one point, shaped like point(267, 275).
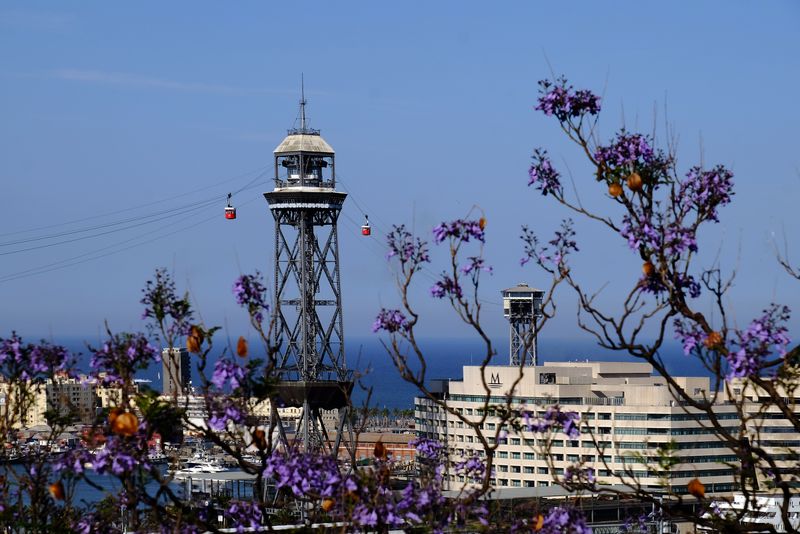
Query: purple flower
point(763, 335)
point(560, 520)
point(121, 356)
point(705, 191)
point(459, 230)
point(678, 239)
point(640, 233)
point(475, 265)
point(560, 99)
point(32, 362)
point(222, 414)
point(250, 292)
point(543, 174)
point(553, 256)
point(428, 449)
point(554, 418)
point(225, 371)
point(446, 286)
point(245, 515)
point(690, 335)
point(409, 250)
point(391, 321)
point(627, 152)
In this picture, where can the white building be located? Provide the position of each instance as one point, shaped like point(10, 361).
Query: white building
point(626, 412)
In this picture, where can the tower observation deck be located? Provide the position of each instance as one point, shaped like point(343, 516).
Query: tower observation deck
point(308, 326)
point(522, 306)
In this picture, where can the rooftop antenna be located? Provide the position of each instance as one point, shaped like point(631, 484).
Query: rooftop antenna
point(302, 103)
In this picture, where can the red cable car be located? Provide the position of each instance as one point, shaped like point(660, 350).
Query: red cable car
point(365, 228)
point(230, 211)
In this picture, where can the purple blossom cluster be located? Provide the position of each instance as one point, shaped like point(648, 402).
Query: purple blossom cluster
point(251, 293)
point(446, 287)
point(224, 412)
point(640, 233)
point(459, 230)
point(120, 456)
point(560, 99)
point(472, 468)
point(543, 175)
point(475, 265)
point(121, 356)
point(308, 475)
point(30, 361)
point(428, 449)
point(226, 371)
point(407, 248)
point(390, 320)
point(684, 283)
point(245, 515)
point(627, 152)
point(707, 190)
point(678, 239)
point(554, 419)
point(564, 520)
point(575, 474)
point(163, 304)
point(764, 335)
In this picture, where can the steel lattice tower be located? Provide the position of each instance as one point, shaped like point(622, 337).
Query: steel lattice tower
point(522, 306)
point(308, 326)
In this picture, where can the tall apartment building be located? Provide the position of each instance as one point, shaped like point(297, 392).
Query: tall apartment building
point(80, 396)
point(176, 371)
point(629, 411)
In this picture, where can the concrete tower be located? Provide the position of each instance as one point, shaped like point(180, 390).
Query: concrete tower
point(176, 371)
point(522, 306)
point(307, 316)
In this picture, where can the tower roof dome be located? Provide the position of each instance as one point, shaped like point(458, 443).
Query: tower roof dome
point(304, 142)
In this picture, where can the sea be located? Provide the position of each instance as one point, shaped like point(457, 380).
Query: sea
point(379, 383)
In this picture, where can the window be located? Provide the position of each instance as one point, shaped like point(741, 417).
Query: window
point(528, 469)
point(515, 469)
point(543, 471)
point(527, 455)
point(515, 455)
point(502, 454)
point(547, 378)
point(502, 468)
point(515, 441)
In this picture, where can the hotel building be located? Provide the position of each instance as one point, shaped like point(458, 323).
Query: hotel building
point(626, 412)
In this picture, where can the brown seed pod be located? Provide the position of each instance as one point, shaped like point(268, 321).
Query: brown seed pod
point(380, 450)
point(57, 490)
point(539, 522)
point(260, 439)
point(241, 347)
point(635, 182)
point(712, 340)
point(696, 488)
point(327, 504)
point(482, 222)
point(615, 190)
point(112, 415)
point(648, 269)
point(125, 424)
point(193, 344)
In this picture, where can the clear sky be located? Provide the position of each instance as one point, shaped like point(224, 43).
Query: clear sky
point(120, 111)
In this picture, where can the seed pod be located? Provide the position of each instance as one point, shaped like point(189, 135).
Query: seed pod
point(125, 424)
point(327, 504)
point(241, 347)
point(648, 269)
point(712, 340)
point(193, 344)
point(260, 439)
point(113, 414)
point(696, 488)
point(539, 522)
point(615, 190)
point(380, 450)
point(482, 222)
point(57, 490)
point(635, 182)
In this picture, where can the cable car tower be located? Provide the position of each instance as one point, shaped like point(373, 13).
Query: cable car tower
point(522, 306)
point(307, 314)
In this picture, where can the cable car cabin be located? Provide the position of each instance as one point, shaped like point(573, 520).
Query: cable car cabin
point(230, 212)
point(365, 228)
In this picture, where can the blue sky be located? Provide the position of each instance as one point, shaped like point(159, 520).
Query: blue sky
point(118, 111)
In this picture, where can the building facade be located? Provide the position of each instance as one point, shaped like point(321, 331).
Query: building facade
point(176, 371)
point(627, 416)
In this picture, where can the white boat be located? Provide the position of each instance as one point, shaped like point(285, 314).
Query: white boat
point(199, 464)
